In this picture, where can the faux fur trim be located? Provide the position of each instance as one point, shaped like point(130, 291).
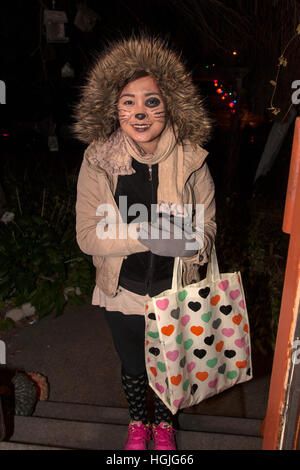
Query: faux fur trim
point(96, 112)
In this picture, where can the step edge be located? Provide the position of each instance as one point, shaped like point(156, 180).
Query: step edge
point(122, 418)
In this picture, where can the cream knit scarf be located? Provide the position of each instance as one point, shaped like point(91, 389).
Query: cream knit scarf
point(115, 156)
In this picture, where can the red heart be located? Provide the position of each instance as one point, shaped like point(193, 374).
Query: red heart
point(219, 346)
point(197, 330)
point(237, 319)
point(202, 376)
point(176, 379)
point(214, 300)
point(246, 328)
point(154, 371)
point(241, 364)
point(168, 330)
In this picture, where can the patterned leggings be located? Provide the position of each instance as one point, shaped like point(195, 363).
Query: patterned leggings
point(128, 333)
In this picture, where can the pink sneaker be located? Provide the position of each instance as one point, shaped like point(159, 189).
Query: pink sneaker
point(163, 436)
point(138, 435)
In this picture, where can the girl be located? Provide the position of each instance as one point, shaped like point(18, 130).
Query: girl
point(145, 124)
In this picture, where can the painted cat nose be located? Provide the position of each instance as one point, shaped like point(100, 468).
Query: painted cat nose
point(140, 116)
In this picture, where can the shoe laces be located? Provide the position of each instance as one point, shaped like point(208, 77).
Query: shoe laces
point(163, 431)
point(139, 430)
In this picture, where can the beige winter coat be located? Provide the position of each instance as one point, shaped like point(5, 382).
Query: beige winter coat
point(96, 186)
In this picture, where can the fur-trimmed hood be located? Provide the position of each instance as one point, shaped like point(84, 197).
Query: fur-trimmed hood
point(96, 113)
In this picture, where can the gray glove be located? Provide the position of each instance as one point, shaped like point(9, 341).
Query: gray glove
point(169, 236)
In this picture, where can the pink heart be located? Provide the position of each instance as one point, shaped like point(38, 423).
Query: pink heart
point(223, 285)
point(247, 350)
point(162, 303)
point(228, 332)
point(185, 320)
point(190, 366)
point(148, 359)
point(240, 342)
point(177, 402)
point(159, 387)
point(213, 383)
point(242, 304)
point(172, 355)
point(234, 294)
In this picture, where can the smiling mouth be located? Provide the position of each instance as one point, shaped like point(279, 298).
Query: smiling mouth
point(141, 127)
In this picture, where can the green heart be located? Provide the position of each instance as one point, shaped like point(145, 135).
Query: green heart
point(179, 338)
point(182, 295)
point(206, 317)
point(231, 374)
point(187, 344)
point(169, 401)
point(212, 362)
point(162, 366)
point(186, 385)
point(153, 334)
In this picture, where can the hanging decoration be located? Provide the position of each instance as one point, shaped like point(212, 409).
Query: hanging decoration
point(67, 71)
point(54, 21)
point(283, 63)
point(86, 18)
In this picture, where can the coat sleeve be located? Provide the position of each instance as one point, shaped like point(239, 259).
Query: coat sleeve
point(99, 227)
point(202, 186)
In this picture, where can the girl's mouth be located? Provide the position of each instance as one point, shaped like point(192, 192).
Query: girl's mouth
point(141, 127)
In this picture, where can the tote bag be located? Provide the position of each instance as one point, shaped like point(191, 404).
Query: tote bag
point(197, 338)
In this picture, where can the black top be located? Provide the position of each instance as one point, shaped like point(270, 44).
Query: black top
point(142, 273)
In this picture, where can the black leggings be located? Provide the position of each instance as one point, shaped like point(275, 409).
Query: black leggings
point(128, 333)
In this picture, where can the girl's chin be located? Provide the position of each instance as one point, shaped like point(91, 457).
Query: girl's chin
point(148, 145)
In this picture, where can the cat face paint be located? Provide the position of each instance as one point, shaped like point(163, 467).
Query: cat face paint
point(142, 112)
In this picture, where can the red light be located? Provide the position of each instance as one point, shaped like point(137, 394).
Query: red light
point(5, 135)
point(231, 104)
point(219, 90)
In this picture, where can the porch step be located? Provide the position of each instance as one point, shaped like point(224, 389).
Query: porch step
point(58, 425)
point(186, 421)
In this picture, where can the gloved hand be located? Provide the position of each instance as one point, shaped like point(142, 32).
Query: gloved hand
point(169, 236)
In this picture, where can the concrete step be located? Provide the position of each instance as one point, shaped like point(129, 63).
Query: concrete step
point(15, 446)
point(59, 425)
point(110, 415)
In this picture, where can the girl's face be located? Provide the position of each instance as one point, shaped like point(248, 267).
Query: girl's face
point(142, 112)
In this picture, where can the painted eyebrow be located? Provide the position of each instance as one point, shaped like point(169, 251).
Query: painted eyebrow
point(145, 94)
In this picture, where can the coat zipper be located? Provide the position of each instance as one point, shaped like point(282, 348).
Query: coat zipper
point(151, 261)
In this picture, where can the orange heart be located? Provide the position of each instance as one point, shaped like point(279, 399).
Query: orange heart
point(147, 342)
point(202, 376)
point(237, 319)
point(246, 328)
point(197, 330)
point(214, 300)
point(154, 371)
point(219, 346)
point(241, 364)
point(176, 379)
point(168, 330)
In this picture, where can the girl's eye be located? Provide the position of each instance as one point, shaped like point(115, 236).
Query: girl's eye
point(128, 102)
point(152, 102)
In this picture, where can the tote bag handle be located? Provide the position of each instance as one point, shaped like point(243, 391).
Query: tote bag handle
point(212, 274)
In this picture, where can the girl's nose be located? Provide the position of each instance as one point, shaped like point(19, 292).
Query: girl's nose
point(140, 116)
